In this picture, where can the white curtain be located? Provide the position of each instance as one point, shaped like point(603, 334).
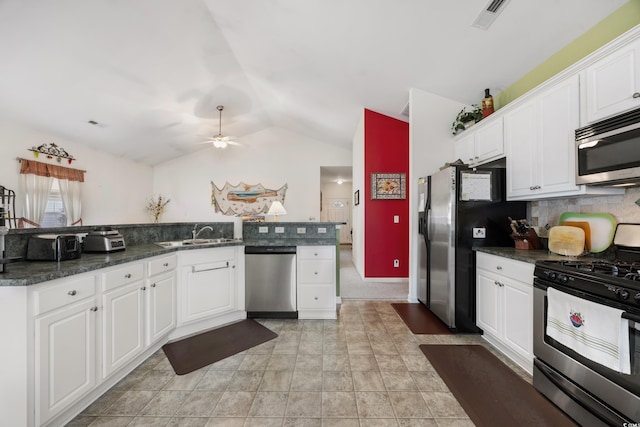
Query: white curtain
point(70, 194)
point(36, 189)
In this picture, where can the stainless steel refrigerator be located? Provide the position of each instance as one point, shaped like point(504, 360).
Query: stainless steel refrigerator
point(459, 208)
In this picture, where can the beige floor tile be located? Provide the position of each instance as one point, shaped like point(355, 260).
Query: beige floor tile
point(336, 362)
point(337, 381)
point(339, 404)
point(146, 421)
point(443, 404)
point(409, 405)
point(281, 362)
point(398, 381)
point(131, 402)
point(363, 362)
point(309, 362)
point(165, 403)
point(225, 422)
point(373, 404)
point(245, 381)
point(307, 404)
point(303, 422)
point(269, 404)
point(215, 380)
point(185, 382)
point(367, 381)
point(187, 422)
point(276, 381)
point(199, 404)
point(234, 404)
point(306, 381)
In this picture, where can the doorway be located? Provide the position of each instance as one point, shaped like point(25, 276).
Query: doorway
point(336, 199)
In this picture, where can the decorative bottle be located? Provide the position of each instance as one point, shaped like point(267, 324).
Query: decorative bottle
point(487, 104)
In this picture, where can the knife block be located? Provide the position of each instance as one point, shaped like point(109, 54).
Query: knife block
point(530, 240)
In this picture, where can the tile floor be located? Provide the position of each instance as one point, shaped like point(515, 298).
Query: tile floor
point(364, 369)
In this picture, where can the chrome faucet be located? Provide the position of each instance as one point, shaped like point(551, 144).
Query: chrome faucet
point(195, 232)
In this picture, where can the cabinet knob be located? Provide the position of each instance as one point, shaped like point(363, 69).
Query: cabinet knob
point(72, 293)
point(127, 276)
point(315, 254)
point(144, 288)
point(315, 272)
point(153, 285)
point(499, 267)
point(166, 264)
point(94, 308)
point(636, 95)
point(498, 283)
point(315, 298)
point(476, 157)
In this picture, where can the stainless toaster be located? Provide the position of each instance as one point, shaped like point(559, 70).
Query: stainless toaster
point(53, 247)
point(103, 239)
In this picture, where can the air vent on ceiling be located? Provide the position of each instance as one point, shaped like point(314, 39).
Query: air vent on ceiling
point(489, 14)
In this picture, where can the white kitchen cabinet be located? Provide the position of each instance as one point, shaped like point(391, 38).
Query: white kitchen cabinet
point(65, 344)
point(612, 84)
point(316, 282)
point(481, 143)
point(504, 306)
point(122, 316)
point(161, 297)
point(540, 145)
point(208, 284)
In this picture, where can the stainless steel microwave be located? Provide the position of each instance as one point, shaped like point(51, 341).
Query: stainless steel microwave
point(608, 152)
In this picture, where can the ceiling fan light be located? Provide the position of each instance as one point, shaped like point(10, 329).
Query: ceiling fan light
point(218, 143)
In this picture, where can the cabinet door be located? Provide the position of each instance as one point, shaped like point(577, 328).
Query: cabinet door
point(489, 141)
point(464, 149)
point(208, 290)
point(518, 317)
point(487, 307)
point(123, 326)
point(65, 357)
point(520, 135)
point(161, 312)
point(613, 83)
point(558, 111)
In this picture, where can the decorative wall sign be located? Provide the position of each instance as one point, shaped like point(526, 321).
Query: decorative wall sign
point(388, 186)
point(356, 198)
point(244, 199)
point(51, 151)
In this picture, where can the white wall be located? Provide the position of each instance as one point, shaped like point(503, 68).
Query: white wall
point(272, 157)
point(115, 188)
point(332, 190)
point(358, 185)
point(431, 146)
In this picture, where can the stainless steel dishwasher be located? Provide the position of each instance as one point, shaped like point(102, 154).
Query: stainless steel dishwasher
point(270, 281)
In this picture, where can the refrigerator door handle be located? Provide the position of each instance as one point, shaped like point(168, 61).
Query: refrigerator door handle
point(427, 229)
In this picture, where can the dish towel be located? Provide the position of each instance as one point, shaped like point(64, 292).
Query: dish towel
point(595, 331)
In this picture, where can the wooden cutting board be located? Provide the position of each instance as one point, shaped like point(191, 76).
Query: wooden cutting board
point(566, 240)
point(587, 231)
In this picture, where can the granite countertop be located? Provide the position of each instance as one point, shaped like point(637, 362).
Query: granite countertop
point(527, 255)
point(27, 273)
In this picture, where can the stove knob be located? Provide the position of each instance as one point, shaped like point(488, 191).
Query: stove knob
point(623, 294)
point(562, 278)
point(637, 297)
point(552, 275)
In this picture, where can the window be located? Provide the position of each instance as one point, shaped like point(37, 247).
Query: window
point(54, 214)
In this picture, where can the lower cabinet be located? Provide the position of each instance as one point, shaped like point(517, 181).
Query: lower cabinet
point(208, 286)
point(161, 307)
point(505, 306)
point(65, 344)
point(316, 282)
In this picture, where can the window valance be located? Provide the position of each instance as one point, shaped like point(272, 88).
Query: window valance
point(54, 171)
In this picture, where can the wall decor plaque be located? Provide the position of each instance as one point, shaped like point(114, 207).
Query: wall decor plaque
point(386, 186)
point(244, 199)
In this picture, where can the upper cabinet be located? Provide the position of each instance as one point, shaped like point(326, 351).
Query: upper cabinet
point(612, 84)
point(482, 143)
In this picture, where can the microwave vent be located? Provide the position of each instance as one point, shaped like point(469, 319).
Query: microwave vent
point(614, 123)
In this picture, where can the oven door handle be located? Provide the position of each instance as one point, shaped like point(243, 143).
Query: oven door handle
point(631, 316)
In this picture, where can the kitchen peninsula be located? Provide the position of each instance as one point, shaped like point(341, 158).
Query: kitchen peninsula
point(75, 328)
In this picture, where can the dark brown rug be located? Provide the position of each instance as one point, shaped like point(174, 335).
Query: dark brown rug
point(203, 349)
point(490, 392)
point(419, 319)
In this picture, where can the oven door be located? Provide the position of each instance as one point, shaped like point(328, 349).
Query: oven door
point(574, 382)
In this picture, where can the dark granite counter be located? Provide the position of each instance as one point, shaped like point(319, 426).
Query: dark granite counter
point(31, 272)
point(530, 255)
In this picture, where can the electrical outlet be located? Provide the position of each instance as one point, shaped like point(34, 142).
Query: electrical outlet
point(479, 232)
point(279, 230)
point(396, 263)
point(301, 230)
point(263, 229)
point(322, 230)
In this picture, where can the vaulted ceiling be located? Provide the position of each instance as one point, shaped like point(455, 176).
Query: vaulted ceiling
point(151, 72)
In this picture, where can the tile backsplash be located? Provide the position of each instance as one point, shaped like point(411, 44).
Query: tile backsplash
point(623, 207)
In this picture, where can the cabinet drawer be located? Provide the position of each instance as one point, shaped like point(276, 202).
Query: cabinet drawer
point(120, 276)
point(163, 264)
point(316, 252)
point(316, 297)
point(316, 271)
point(55, 296)
point(517, 270)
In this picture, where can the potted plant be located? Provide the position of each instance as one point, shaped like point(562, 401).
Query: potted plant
point(467, 117)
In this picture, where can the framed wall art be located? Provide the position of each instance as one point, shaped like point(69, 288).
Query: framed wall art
point(356, 198)
point(388, 186)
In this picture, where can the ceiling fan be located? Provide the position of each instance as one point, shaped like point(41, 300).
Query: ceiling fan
point(219, 140)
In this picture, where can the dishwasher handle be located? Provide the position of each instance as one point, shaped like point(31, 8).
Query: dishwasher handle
point(269, 250)
point(195, 269)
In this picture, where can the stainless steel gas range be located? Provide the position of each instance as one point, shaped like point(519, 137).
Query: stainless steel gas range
point(587, 358)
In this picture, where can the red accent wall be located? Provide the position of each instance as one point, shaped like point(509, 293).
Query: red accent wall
point(386, 150)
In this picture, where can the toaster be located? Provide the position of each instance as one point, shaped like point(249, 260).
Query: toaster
point(53, 247)
point(103, 239)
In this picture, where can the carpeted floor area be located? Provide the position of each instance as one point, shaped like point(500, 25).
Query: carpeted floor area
point(353, 287)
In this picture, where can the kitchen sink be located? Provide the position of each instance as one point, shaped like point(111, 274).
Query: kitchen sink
point(194, 242)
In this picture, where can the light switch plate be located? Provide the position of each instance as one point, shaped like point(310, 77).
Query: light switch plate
point(322, 230)
point(263, 229)
point(301, 230)
point(396, 219)
point(279, 230)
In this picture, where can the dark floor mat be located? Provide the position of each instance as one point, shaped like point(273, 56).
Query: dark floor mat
point(419, 319)
point(203, 349)
point(489, 391)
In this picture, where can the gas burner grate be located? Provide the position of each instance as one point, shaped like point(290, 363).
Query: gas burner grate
point(623, 269)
